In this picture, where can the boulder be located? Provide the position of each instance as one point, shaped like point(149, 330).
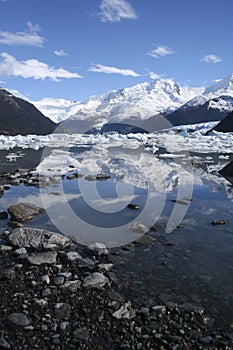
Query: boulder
point(38, 239)
point(24, 211)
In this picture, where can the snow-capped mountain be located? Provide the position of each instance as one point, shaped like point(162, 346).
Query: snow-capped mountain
point(132, 105)
point(57, 109)
point(142, 106)
point(213, 104)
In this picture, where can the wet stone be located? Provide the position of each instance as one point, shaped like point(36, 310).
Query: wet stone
point(42, 258)
point(71, 286)
point(219, 222)
point(191, 308)
point(8, 274)
point(4, 344)
point(133, 206)
point(3, 215)
point(62, 311)
point(73, 256)
point(5, 249)
point(96, 279)
point(81, 333)
point(98, 249)
point(125, 311)
point(24, 211)
point(17, 320)
point(38, 239)
point(14, 224)
point(20, 251)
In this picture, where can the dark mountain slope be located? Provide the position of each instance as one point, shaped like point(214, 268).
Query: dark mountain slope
point(226, 125)
point(195, 114)
point(18, 116)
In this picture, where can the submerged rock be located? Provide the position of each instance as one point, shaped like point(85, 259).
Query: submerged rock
point(27, 237)
point(133, 206)
point(24, 211)
point(219, 222)
point(3, 215)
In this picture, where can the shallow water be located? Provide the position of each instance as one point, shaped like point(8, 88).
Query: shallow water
point(192, 263)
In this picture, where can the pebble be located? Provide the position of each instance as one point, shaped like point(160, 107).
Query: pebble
point(5, 249)
point(45, 279)
point(98, 248)
point(62, 310)
point(81, 333)
point(71, 286)
point(125, 311)
point(73, 256)
point(96, 279)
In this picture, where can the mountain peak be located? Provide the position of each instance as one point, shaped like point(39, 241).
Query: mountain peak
point(223, 84)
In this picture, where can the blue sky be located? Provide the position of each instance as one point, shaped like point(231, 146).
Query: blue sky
point(76, 48)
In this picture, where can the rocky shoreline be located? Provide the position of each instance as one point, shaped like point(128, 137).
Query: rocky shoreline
point(56, 294)
point(59, 295)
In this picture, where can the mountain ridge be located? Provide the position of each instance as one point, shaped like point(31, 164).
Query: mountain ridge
point(18, 116)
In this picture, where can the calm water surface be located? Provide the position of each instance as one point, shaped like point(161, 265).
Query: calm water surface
point(194, 263)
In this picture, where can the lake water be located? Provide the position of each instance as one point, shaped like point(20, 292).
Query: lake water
point(193, 262)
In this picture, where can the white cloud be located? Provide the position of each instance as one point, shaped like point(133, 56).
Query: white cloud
point(211, 59)
point(160, 51)
point(33, 27)
point(153, 75)
point(28, 38)
point(60, 53)
point(32, 68)
point(99, 68)
point(116, 10)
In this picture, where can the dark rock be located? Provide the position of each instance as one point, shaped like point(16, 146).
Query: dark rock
point(99, 177)
point(71, 286)
point(17, 321)
point(145, 240)
point(71, 177)
point(62, 311)
point(14, 224)
point(8, 274)
point(24, 211)
point(3, 215)
point(191, 308)
point(5, 249)
point(133, 206)
point(219, 222)
point(179, 201)
point(4, 344)
point(206, 340)
point(81, 333)
point(38, 239)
